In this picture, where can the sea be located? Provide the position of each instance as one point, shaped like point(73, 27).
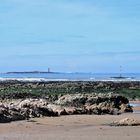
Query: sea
point(56, 76)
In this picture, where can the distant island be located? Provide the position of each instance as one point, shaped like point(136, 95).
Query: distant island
point(30, 72)
point(120, 77)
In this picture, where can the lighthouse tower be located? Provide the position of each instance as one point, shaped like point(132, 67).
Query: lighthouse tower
point(120, 71)
point(49, 70)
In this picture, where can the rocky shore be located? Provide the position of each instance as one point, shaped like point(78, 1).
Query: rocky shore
point(24, 100)
point(21, 109)
point(18, 89)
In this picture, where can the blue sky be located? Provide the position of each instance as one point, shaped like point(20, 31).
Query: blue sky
point(70, 35)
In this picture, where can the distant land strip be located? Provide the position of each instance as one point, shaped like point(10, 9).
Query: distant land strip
point(30, 72)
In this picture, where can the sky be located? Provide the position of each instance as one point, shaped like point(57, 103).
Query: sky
point(70, 35)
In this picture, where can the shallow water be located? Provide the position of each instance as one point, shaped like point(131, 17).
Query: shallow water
point(135, 105)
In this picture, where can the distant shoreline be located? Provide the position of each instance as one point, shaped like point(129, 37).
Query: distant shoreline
point(29, 72)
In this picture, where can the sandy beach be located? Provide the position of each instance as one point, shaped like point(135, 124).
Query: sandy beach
point(74, 127)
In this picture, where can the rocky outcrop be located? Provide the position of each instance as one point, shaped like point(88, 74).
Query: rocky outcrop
point(25, 109)
point(65, 105)
point(91, 104)
point(126, 122)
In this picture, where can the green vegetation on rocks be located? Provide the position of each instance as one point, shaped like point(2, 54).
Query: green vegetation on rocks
point(17, 90)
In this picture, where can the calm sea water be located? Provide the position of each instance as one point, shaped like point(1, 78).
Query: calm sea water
point(71, 76)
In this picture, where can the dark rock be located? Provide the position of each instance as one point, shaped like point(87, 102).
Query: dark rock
point(65, 105)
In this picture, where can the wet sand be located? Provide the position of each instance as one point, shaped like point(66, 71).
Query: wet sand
point(76, 127)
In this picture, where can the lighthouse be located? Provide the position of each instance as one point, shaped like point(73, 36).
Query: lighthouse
point(49, 70)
